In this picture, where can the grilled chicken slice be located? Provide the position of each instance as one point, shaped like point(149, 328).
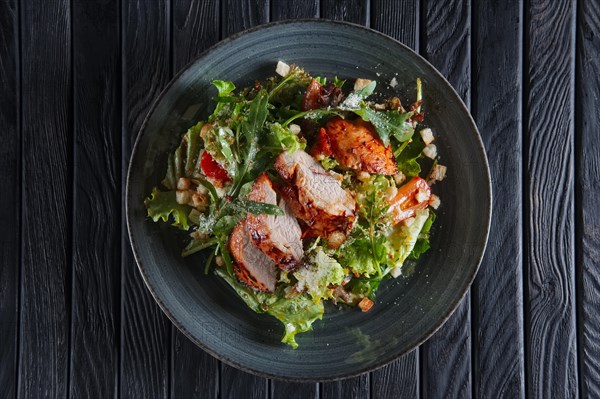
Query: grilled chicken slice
point(357, 146)
point(314, 195)
point(279, 237)
point(252, 267)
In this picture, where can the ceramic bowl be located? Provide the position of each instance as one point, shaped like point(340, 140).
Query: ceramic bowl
point(346, 342)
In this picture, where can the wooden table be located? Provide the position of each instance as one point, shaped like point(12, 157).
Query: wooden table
point(76, 80)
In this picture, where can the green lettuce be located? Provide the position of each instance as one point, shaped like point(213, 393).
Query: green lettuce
point(321, 272)
point(297, 315)
point(403, 238)
point(422, 245)
point(163, 205)
point(284, 138)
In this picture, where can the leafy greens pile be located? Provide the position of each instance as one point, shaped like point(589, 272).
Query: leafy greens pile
point(246, 132)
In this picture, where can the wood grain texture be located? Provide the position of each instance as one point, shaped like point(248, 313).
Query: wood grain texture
point(445, 42)
point(550, 323)
point(497, 293)
point(145, 330)
point(286, 9)
point(96, 208)
point(359, 387)
point(46, 224)
point(239, 15)
point(194, 373)
point(588, 190)
point(9, 196)
point(357, 11)
point(399, 19)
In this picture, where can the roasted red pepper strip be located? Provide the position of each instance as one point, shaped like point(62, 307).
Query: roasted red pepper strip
point(411, 197)
point(212, 169)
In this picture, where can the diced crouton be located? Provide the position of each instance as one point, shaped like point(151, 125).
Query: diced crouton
point(294, 128)
point(336, 239)
point(183, 183)
point(434, 201)
point(363, 176)
point(219, 261)
point(199, 201)
point(282, 68)
point(393, 82)
point(365, 304)
point(399, 178)
point(430, 151)
point(438, 173)
point(395, 272)
point(361, 84)
point(183, 197)
point(427, 135)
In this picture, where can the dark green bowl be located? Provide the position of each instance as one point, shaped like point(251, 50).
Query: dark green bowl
point(346, 342)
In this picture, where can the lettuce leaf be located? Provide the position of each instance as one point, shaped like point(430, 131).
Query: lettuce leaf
point(297, 315)
point(284, 138)
point(321, 272)
point(163, 205)
point(403, 238)
point(407, 159)
point(422, 245)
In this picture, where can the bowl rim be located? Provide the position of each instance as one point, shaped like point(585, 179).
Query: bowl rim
point(231, 362)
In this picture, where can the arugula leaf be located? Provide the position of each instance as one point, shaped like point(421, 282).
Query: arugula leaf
point(163, 204)
point(224, 87)
point(366, 91)
point(313, 114)
point(197, 246)
point(225, 224)
point(337, 82)
point(297, 315)
point(257, 208)
point(194, 144)
point(407, 159)
point(388, 123)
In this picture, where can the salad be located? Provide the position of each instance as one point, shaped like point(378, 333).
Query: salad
point(300, 190)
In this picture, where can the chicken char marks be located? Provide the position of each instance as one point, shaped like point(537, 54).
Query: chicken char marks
point(279, 237)
point(252, 267)
point(314, 195)
point(356, 145)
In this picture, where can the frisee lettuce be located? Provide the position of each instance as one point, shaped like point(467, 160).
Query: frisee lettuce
point(163, 205)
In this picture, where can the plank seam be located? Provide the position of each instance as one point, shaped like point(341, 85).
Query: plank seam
point(21, 170)
point(72, 171)
point(524, 191)
point(578, 219)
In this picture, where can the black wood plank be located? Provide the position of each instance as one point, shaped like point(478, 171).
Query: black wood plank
point(357, 11)
point(97, 200)
point(399, 19)
point(588, 190)
point(47, 156)
point(238, 15)
point(145, 330)
point(9, 196)
point(445, 42)
point(550, 293)
point(194, 373)
point(286, 9)
point(283, 9)
point(497, 293)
